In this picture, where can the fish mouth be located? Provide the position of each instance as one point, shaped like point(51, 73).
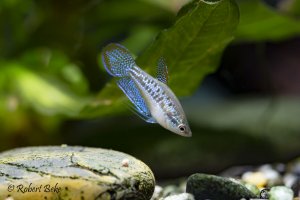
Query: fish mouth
point(187, 134)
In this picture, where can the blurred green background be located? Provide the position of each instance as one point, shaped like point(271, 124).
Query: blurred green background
point(235, 67)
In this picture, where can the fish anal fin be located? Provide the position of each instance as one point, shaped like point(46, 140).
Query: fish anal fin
point(128, 86)
point(147, 118)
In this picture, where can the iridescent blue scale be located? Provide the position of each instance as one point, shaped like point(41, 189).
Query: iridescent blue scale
point(151, 97)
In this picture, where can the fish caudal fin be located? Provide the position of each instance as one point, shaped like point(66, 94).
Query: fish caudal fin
point(117, 60)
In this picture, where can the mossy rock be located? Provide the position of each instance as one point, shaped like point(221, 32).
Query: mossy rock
point(73, 173)
point(204, 186)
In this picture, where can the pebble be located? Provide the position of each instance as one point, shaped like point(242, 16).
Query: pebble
point(183, 196)
point(171, 190)
point(273, 177)
point(292, 181)
point(281, 193)
point(264, 176)
point(157, 194)
point(256, 178)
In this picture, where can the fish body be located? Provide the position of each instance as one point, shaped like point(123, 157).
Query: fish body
point(153, 100)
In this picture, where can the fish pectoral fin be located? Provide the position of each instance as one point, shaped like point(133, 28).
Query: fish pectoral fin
point(139, 106)
point(162, 71)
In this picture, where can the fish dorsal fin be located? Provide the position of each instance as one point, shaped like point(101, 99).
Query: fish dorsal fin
point(117, 60)
point(128, 86)
point(162, 71)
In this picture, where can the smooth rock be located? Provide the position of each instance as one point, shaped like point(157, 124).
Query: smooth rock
point(281, 193)
point(63, 172)
point(204, 186)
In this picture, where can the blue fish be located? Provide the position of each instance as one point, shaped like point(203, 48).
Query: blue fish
point(152, 99)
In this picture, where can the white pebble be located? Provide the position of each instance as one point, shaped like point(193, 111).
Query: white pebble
point(281, 193)
point(289, 180)
point(183, 196)
point(272, 175)
point(256, 178)
point(157, 192)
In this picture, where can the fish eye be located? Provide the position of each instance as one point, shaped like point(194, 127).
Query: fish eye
point(182, 128)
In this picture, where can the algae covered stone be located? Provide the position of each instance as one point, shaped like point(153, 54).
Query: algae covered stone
point(64, 172)
point(204, 186)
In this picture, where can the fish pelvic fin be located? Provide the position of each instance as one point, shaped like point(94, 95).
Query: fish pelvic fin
point(139, 106)
point(117, 60)
point(162, 71)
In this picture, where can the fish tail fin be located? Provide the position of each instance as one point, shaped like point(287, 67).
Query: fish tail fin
point(117, 60)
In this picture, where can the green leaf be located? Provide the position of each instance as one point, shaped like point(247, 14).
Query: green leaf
point(192, 48)
point(259, 22)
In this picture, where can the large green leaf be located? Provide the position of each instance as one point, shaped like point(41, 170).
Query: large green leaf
point(260, 22)
point(192, 48)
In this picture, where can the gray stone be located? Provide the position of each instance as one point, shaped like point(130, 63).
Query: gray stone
point(62, 172)
point(204, 186)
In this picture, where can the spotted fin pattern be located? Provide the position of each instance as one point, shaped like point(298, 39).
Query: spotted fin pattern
point(117, 60)
point(162, 71)
point(128, 86)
